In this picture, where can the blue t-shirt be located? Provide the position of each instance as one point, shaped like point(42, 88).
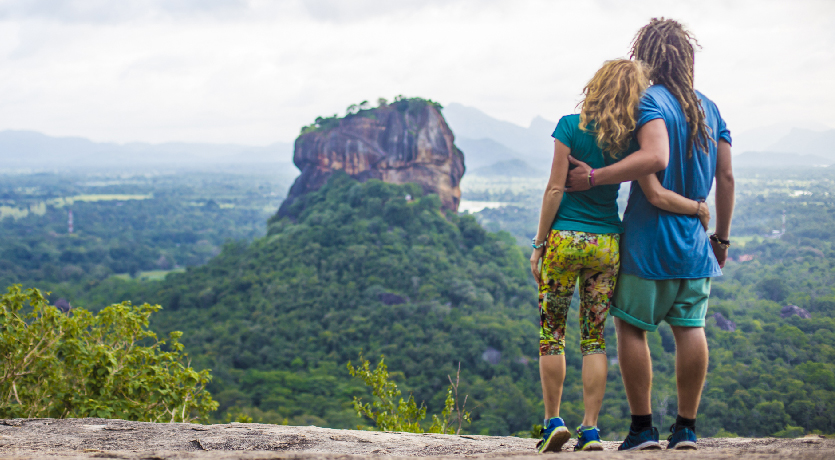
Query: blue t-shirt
point(658, 244)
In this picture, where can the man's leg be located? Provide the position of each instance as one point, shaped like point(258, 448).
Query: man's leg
point(635, 366)
point(691, 368)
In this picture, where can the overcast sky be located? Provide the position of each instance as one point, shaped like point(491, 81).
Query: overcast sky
point(254, 72)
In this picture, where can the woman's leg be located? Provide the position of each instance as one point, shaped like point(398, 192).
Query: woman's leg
point(597, 289)
point(555, 291)
point(595, 369)
point(552, 374)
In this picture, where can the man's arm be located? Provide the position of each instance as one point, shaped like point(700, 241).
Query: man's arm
point(724, 198)
point(652, 157)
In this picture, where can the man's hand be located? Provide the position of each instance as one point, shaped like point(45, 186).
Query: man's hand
point(578, 178)
point(536, 256)
point(721, 254)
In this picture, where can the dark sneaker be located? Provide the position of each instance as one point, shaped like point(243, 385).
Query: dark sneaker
point(588, 439)
point(682, 438)
point(554, 435)
point(647, 439)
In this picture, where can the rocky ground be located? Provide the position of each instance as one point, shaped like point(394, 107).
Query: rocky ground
point(101, 438)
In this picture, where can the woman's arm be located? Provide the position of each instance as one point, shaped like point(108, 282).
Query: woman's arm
point(550, 202)
point(671, 201)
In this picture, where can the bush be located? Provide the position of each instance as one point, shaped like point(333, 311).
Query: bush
point(790, 432)
point(104, 365)
point(402, 415)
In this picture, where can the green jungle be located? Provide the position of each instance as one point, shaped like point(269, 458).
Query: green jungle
point(276, 308)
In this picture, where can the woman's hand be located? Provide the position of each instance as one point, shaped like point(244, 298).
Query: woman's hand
point(536, 256)
point(704, 215)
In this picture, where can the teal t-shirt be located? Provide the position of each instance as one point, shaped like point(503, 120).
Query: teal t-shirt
point(595, 210)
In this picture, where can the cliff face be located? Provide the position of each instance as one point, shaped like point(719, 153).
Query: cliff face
point(407, 141)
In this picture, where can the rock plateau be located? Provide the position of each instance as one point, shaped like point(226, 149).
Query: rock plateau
point(406, 141)
point(101, 438)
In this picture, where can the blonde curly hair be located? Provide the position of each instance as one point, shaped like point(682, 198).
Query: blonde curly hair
point(610, 104)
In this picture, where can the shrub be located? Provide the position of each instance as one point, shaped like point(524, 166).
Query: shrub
point(82, 364)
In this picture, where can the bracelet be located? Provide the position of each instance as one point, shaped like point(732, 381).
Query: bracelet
point(534, 245)
point(724, 244)
point(698, 208)
point(591, 178)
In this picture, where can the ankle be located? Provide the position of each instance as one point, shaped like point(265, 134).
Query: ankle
point(640, 423)
point(686, 422)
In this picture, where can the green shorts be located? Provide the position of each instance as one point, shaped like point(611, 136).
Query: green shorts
point(645, 303)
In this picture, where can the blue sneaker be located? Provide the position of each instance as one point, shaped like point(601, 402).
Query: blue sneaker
point(554, 435)
point(682, 438)
point(647, 439)
point(588, 439)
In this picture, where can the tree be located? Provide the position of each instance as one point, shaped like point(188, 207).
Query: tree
point(93, 365)
point(773, 288)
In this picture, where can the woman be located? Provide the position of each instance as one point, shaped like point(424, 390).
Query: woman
point(578, 237)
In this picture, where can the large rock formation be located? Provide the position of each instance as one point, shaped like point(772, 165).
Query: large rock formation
point(407, 141)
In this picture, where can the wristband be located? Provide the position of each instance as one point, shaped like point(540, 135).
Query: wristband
point(724, 244)
point(591, 178)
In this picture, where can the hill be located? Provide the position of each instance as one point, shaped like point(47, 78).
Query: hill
point(533, 144)
point(358, 267)
point(34, 150)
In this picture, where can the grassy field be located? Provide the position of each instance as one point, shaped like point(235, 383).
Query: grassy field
point(150, 275)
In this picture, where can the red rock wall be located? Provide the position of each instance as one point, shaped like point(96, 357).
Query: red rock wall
point(392, 145)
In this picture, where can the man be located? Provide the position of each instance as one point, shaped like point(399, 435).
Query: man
point(667, 260)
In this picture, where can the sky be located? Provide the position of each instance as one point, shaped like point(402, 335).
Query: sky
point(255, 71)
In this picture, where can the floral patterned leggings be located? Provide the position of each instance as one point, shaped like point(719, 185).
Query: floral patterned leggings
point(592, 258)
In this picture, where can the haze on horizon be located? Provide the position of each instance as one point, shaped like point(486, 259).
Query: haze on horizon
point(255, 71)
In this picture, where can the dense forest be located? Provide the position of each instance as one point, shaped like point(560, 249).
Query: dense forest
point(127, 225)
point(378, 268)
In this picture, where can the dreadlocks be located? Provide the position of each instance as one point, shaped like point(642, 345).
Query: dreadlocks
point(667, 48)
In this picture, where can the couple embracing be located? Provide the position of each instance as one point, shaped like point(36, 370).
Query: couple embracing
point(656, 265)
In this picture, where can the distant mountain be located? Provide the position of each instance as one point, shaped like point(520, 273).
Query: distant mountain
point(779, 160)
point(762, 139)
point(533, 144)
point(807, 142)
point(511, 168)
point(480, 153)
point(783, 147)
point(30, 149)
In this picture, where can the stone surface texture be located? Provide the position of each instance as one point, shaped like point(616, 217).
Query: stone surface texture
point(102, 438)
point(400, 143)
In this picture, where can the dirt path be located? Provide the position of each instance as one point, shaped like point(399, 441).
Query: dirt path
point(101, 438)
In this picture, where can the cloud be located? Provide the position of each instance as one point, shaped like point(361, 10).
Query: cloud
point(107, 11)
point(256, 71)
point(341, 11)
